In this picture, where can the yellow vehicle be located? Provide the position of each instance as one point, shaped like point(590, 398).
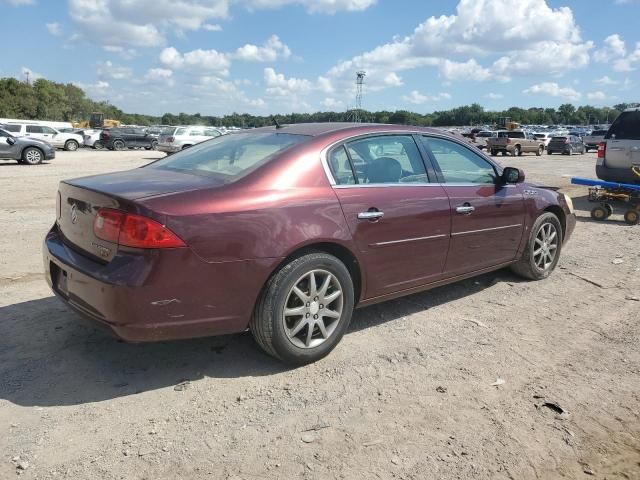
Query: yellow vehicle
point(97, 120)
point(505, 123)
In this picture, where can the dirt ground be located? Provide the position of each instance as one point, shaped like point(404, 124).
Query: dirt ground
point(407, 394)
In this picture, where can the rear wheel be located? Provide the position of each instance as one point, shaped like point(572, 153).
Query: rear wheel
point(540, 150)
point(32, 156)
point(304, 309)
point(153, 146)
point(569, 151)
point(542, 252)
point(631, 217)
point(119, 145)
point(517, 151)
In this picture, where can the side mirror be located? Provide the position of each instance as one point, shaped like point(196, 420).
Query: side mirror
point(11, 141)
point(512, 175)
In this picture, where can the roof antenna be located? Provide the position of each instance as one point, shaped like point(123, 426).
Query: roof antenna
point(275, 121)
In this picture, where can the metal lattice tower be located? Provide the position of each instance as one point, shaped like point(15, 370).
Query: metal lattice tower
point(359, 83)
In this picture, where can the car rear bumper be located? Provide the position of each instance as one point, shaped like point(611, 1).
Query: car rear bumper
point(163, 147)
point(156, 294)
point(622, 175)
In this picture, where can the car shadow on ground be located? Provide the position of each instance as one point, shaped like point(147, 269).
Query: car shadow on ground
point(49, 358)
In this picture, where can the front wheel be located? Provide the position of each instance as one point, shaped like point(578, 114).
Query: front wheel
point(71, 145)
point(540, 150)
point(304, 309)
point(631, 217)
point(98, 145)
point(542, 252)
point(32, 156)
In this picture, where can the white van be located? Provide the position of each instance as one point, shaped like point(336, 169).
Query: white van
point(68, 141)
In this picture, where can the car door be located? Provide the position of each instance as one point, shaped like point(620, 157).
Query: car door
point(487, 218)
point(400, 221)
point(37, 131)
point(52, 136)
point(139, 138)
point(6, 149)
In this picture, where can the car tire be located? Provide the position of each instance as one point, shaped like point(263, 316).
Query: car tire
point(599, 213)
point(549, 152)
point(71, 145)
point(569, 151)
point(533, 264)
point(119, 145)
point(539, 151)
point(98, 145)
point(494, 152)
point(153, 146)
point(517, 151)
point(275, 330)
point(32, 156)
point(184, 147)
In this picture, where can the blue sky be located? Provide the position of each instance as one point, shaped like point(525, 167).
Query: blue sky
point(279, 56)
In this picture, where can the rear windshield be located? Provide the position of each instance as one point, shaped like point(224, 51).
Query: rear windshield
point(229, 156)
point(626, 126)
point(598, 132)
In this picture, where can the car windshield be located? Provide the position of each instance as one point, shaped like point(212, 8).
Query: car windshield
point(229, 156)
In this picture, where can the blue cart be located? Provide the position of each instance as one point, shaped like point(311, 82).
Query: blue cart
point(606, 192)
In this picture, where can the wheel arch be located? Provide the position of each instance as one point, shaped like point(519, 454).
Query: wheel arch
point(558, 212)
point(31, 146)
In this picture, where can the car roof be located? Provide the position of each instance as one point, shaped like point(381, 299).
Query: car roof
point(318, 129)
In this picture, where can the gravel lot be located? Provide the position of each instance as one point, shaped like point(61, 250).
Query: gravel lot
point(407, 394)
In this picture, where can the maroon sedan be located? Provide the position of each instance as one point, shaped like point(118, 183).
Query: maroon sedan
point(284, 230)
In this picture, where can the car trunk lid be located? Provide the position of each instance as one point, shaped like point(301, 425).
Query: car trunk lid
point(80, 199)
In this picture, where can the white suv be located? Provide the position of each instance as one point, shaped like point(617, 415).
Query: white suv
point(619, 153)
point(68, 141)
point(174, 139)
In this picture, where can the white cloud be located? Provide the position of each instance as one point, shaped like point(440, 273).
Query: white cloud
point(210, 27)
point(329, 7)
point(596, 95)
point(554, 90)
point(99, 90)
point(606, 81)
point(159, 75)
point(110, 70)
point(393, 80)
point(614, 47)
point(27, 73)
point(203, 60)
point(277, 84)
point(54, 29)
point(126, 53)
point(272, 50)
point(469, 70)
point(418, 98)
point(332, 104)
point(494, 96)
point(20, 3)
point(629, 63)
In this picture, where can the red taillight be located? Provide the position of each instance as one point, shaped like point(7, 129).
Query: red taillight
point(133, 230)
point(508, 140)
point(602, 148)
point(170, 139)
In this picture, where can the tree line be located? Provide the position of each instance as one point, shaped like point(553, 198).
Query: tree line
point(47, 100)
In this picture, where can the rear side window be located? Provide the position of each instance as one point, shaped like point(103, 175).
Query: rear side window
point(387, 159)
point(34, 129)
point(341, 167)
point(12, 128)
point(458, 164)
point(196, 133)
point(229, 156)
point(180, 131)
point(625, 127)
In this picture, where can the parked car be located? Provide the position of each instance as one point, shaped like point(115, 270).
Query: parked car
point(543, 137)
point(481, 138)
point(28, 151)
point(121, 138)
point(92, 139)
point(68, 141)
point(283, 230)
point(566, 145)
point(514, 142)
point(174, 139)
point(592, 140)
point(620, 150)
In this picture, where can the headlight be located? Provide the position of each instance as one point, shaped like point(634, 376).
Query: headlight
point(567, 199)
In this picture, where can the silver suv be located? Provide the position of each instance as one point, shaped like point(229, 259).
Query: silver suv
point(620, 150)
point(174, 139)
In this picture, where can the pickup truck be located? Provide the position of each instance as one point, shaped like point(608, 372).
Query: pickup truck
point(592, 140)
point(515, 143)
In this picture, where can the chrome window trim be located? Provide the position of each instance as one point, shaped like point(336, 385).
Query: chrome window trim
point(504, 227)
point(327, 170)
point(405, 240)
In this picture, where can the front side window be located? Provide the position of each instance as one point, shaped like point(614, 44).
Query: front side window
point(458, 164)
point(625, 127)
point(229, 156)
point(48, 130)
point(196, 133)
point(34, 129)
point(387, 159)
point(211, 132)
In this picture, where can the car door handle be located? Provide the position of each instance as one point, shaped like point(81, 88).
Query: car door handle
point(465, 209)
point(370, 215)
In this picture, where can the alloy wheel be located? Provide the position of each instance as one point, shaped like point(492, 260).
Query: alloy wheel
point(545, 246)
point(33, 156)
point(313, 309)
